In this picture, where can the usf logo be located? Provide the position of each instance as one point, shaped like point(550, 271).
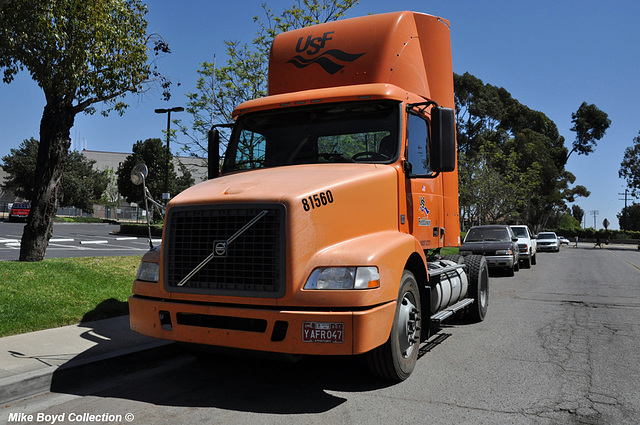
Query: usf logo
point(330, 60)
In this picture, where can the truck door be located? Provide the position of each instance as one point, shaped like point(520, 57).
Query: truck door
point(424, 191)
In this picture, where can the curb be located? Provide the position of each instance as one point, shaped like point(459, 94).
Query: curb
point(29, 384)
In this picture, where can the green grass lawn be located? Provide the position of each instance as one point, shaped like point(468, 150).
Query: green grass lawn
point(62, 291)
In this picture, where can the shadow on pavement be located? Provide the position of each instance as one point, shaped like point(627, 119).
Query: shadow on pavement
point(249, 382)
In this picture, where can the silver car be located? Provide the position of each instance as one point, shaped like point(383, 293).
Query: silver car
point(548, 241)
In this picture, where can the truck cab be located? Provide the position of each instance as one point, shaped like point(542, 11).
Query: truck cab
point(321, 233)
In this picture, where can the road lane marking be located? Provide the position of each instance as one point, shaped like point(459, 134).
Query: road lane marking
point(626, 261)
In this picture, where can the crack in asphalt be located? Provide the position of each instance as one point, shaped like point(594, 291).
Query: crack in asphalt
point(567, 340)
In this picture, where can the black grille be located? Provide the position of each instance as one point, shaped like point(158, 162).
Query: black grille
point(251, 264)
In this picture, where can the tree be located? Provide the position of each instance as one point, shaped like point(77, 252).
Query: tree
point(590, 125)
point(630, 166)
point(520, 144)
point(577, 212)
point(568, 222)
point(244, 77)
point(629, 217)
point(81, 53)
point(185, 180)
point(110, 195)
point(155, 156)
point(497, 130)
point(492, 193)
point(81, 185)
point(20, 166)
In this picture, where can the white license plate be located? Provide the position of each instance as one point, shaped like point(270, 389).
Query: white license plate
point(323, 332)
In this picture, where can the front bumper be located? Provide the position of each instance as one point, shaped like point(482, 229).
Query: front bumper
point(500, 260)
point(524, 255)
point(275, 330)
point(548, 247)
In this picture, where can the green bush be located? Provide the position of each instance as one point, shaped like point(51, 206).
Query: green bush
point(591, 233)
point(78, 220)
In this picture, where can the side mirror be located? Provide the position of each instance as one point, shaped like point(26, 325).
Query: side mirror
point(443, 139)
point(139, 174)
point(213, 147)
point(514, 239)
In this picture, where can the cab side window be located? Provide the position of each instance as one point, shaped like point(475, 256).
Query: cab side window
point(418, 151)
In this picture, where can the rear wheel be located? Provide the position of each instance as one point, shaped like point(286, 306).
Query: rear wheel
point(396, 359)
point(478, 273)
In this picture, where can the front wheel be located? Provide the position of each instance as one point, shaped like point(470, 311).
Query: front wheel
point(396, 358)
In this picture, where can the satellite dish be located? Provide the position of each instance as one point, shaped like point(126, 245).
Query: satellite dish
point(139, 174)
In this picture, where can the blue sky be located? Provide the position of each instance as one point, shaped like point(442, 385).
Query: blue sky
point(550, 55)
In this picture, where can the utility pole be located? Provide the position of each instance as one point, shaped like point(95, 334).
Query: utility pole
point(623, 225)
point(595, 213)
point(625, 212)
point(166, 196)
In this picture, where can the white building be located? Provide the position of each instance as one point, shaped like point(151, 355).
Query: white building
point(104, 160)
point(111, 160)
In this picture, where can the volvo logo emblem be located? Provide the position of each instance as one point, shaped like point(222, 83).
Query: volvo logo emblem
point(220, 248)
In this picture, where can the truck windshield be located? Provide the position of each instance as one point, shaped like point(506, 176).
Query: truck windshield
point(521, 232)
point(345, 132)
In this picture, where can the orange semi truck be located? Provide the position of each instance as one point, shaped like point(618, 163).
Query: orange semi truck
point(321, 234)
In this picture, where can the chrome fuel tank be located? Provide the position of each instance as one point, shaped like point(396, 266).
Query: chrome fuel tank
point(449, 284)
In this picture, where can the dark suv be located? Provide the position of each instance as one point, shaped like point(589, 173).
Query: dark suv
point(497, 243)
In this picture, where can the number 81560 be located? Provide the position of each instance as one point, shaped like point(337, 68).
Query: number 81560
point(317, 200)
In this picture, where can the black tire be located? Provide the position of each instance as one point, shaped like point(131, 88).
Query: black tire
point(534, 259)
point(478, 274)
point(516, 264)
point(396, 358)
point(527, 263)
point(456, 258)
point(511, 271)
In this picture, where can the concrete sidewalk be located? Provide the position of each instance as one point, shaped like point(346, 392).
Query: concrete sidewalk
point(28, 361)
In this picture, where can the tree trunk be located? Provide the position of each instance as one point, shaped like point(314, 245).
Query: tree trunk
point(55, 126)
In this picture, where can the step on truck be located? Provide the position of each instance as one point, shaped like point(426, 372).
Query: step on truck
point(321, 231)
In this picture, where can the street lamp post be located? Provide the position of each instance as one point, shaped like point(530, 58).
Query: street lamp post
point(165, 195)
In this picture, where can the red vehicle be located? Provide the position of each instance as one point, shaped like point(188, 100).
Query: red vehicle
point(19, 211)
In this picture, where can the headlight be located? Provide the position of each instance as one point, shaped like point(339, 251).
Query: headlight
point(148, 272)
point(504, 252)
point(343, 278)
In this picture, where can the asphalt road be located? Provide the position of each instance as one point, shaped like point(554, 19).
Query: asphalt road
point(75, 240)
point(560, 345)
